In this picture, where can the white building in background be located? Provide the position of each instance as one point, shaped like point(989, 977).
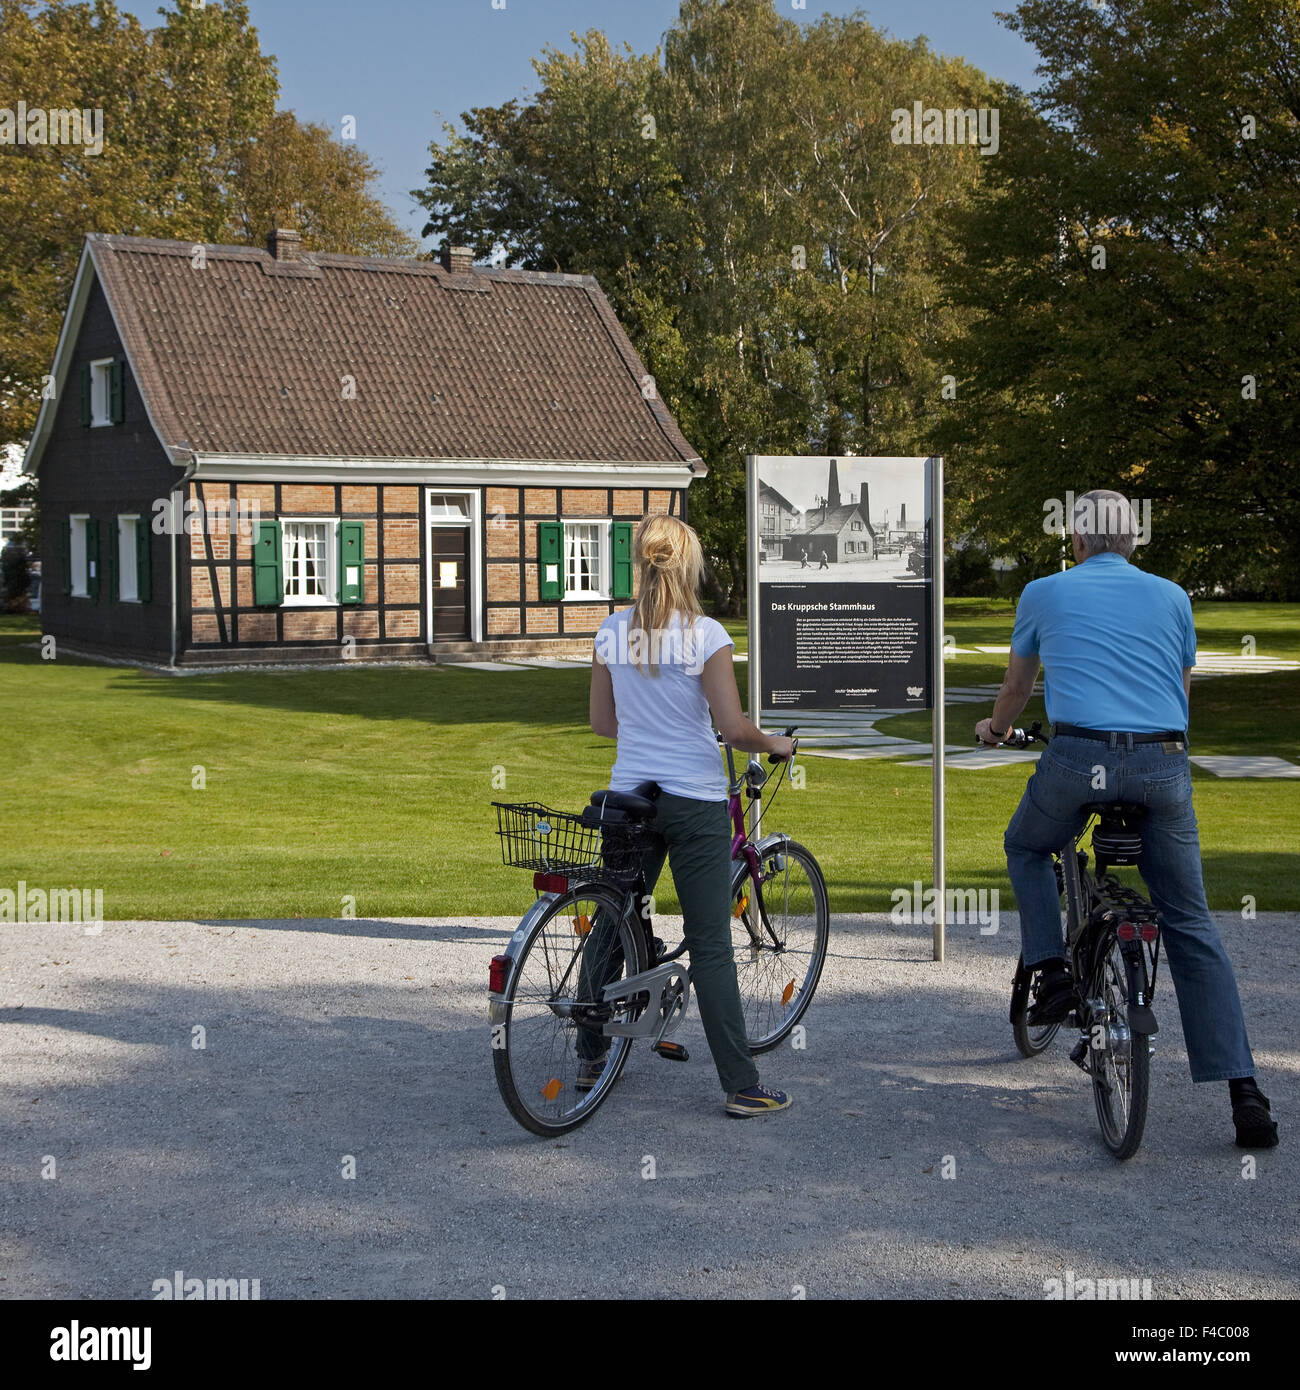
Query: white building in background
point(11, 475)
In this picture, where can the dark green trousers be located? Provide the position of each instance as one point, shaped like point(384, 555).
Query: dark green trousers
point(695, 838)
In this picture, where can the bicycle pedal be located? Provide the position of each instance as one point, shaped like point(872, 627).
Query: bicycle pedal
point(660, 948)
point(1079, 1054)
point(672, 1052)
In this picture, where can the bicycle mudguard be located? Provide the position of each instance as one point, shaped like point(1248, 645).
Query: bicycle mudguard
point(1141, 1019)
point(1020, 993)
point(498, 1011)
point(770, 844)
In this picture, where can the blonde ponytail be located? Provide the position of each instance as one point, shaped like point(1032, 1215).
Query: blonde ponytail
point(670, 563)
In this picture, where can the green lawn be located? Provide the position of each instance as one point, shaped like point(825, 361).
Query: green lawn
point(376, 784)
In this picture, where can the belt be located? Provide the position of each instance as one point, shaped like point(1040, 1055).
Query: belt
point(1109, 736)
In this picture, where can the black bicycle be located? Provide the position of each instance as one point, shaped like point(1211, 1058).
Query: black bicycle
point(1111, 941)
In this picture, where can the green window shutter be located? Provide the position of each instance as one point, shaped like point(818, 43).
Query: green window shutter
point(85, 393)
point(550, 561)
point(352, 561)
point(143, 591)
point(114, 552)
point(67, 557)
point(621, 568)
point(116, 409)
point(92, 559)
point(268, 580)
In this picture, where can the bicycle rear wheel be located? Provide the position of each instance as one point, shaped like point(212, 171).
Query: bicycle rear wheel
point(554, 1010)
point(1119, 1057)
point(1029, 1040)
point(778, 965)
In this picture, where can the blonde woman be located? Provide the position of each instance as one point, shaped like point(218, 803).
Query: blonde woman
point(659, 668)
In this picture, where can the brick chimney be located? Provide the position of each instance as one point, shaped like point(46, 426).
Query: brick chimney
point(866, 511)
point(284, 244)
point(456, 260)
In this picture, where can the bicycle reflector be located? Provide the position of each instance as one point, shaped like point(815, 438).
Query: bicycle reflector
point(498, 974)
point(550, 883)
point(1132, 931)
point(1126, 931)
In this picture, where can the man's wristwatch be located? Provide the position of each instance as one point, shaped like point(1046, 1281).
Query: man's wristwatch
point(996, 735)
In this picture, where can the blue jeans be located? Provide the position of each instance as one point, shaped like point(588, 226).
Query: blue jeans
point(1069, 775)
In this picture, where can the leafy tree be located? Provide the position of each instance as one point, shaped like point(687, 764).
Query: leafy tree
point(772, 252)
point(192, 149)
point(1130, 267)
point(294, 175)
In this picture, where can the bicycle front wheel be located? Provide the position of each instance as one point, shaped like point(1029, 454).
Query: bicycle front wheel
point(554, 1065)
point(1119, 1057)
point(780, 928)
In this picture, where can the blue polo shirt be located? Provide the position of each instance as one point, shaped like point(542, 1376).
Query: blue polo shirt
point(1113, 641)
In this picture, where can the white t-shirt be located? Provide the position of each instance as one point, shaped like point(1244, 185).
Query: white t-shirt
point(664, 731)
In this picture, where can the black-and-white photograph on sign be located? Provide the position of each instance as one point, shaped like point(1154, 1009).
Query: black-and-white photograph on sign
point(842, 520)
point(843, 587)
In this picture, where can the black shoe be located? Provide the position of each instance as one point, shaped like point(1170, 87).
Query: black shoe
point(1256, 1129)
point(1053, 997)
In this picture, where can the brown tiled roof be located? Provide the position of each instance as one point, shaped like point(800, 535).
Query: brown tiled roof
point(835, 522)
point(248, 355)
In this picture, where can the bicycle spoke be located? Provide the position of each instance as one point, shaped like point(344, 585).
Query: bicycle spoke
point(779, 943)
point(579, 947)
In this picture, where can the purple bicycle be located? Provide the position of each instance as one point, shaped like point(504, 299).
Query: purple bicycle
point(584, 974)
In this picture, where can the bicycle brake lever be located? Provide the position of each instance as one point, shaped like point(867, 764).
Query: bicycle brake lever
point(789, 733)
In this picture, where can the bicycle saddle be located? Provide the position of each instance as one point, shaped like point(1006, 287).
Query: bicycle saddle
point(638, 804)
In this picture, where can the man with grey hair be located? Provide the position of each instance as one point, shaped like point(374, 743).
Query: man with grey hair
point(1117, 648)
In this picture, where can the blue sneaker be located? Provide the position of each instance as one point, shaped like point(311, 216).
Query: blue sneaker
point(755, 1100)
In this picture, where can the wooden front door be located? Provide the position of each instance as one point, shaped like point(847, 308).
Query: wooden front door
point(449, 558)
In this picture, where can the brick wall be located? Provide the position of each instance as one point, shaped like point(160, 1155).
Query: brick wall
point(510, 542)
point(395, 568)
point(218, 578)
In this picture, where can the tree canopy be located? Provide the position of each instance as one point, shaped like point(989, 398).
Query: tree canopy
point(193, 148)
point(739, 197)
point(1102, 302)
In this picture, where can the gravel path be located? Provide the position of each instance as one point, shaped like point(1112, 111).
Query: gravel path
point(370, 1038)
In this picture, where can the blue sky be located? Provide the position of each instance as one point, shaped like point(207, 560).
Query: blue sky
point(402, 67)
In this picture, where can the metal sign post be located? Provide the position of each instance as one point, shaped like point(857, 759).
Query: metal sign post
point(937, 732)
point(751, 573)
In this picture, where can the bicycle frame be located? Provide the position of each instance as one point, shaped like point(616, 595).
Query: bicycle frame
point(1094, 903)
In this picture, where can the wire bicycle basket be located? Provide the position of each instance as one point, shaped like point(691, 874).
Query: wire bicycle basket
point(589, 846)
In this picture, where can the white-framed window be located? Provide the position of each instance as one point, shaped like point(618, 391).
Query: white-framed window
point(586, 559)
point(80, 566)
point(128, 590)
point(448, 506)
point(309, 556)
point(101, 379)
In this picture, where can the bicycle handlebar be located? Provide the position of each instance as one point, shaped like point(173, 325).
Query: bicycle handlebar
point(1018, 738)
point(772, 758)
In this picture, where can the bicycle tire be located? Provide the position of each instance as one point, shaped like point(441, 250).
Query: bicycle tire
point(773, 1003)
point(536, 1058)
point(1030, 1041)
point(1121, 1068)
